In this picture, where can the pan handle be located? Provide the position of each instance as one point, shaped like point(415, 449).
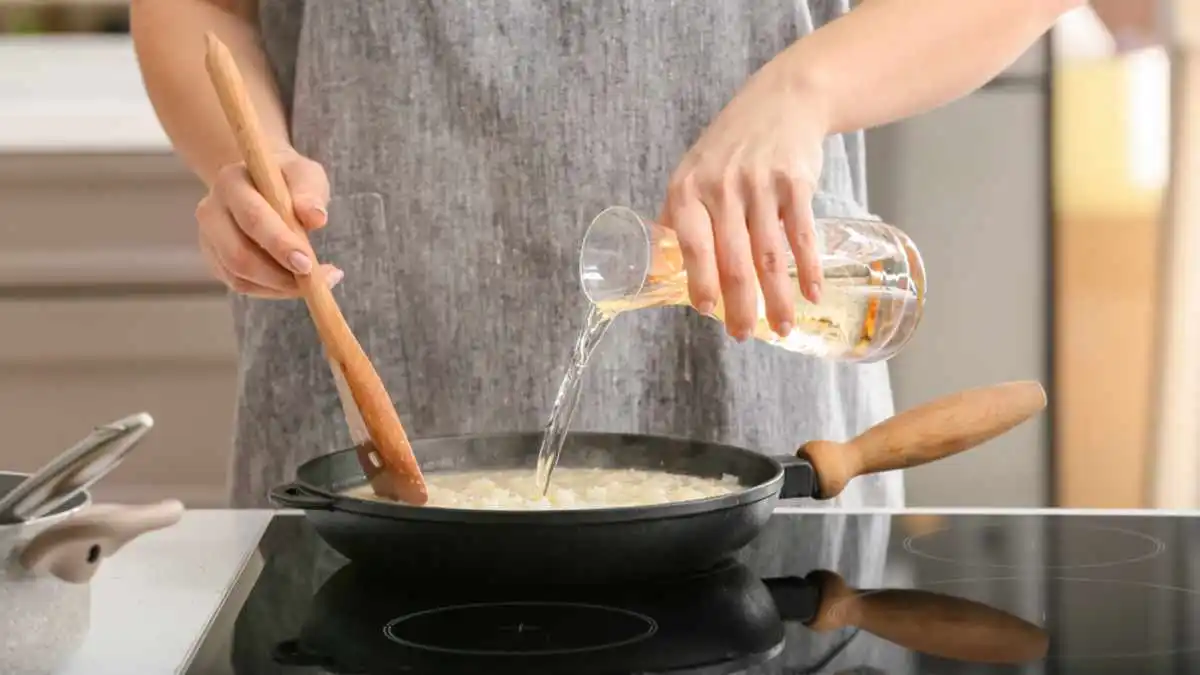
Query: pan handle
point(799, 477)
point(73, 550)
point(925, 434)
point(298, 496)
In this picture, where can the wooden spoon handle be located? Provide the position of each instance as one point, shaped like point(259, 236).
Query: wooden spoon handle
point(263, 169)
point(930, 432)
point(930, 623)
point(391, 463)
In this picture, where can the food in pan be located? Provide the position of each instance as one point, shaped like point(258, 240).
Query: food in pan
point(572, 488)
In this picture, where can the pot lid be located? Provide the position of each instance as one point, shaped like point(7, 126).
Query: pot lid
point(79, 467)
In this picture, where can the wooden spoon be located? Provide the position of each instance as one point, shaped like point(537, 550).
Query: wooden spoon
point(940, 428)
point(395, 473)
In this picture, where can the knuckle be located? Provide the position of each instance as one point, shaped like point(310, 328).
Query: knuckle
point(240, 261)
point(805, 236)
point(691, 247)
point(724, 185)
point(705, 294)
point(782, 177)
point(754, 178)
point(317, 169)
point(682, 188)
point(735, 277)
point(308, 172)
point(240, 285)
point(799, 187)
point(772, 261)
point(278, 244)
point(254, 221)
point(228, 175)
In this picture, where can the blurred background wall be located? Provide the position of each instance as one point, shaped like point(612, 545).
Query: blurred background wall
point(1037, 202)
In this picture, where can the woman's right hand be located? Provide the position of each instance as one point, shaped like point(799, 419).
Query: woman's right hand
point(247, 244)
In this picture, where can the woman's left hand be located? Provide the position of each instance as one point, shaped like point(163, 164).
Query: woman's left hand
point(757, 164)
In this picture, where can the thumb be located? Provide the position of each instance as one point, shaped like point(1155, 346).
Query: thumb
point(310, 190)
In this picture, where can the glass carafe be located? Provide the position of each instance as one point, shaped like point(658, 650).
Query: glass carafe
point(871, 300)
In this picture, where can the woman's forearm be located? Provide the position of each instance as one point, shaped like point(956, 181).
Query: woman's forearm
point(890, 59)
point(168, 36)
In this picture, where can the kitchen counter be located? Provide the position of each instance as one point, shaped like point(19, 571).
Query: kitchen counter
point(154, 600)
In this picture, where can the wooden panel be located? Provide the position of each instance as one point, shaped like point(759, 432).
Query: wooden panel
point(1106, 292)
point(1104, 359)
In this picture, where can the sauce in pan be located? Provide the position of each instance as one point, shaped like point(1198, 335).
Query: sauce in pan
point(573, 488)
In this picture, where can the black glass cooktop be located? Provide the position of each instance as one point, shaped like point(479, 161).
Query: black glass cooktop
point(816, 593)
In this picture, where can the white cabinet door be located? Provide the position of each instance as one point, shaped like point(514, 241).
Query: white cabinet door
point(69, 364)
point(98, 220)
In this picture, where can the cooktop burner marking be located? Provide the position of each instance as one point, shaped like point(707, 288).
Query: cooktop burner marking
point(625, 627)
point(1144, 545)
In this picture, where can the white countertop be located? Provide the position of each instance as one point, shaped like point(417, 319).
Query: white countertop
point(153, 601)
point(74, 93)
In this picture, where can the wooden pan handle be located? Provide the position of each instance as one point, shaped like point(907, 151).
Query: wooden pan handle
point(930, 623)
point(938, 429)
point(399, 475)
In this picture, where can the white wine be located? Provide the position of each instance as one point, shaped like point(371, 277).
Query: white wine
point(857, 315)
point(567, 399)
point(871, 299)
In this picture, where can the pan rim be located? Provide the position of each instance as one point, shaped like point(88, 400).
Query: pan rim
point(338, 501)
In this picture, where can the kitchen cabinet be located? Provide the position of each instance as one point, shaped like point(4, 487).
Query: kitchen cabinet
point(92, 221)
point(105, 310)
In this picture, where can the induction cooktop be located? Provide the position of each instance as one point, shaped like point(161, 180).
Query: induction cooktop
point(817, 592)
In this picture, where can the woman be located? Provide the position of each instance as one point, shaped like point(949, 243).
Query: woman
point(446, 156)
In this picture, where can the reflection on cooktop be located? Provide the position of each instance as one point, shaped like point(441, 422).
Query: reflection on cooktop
point(1136, 600)
point(815, 593)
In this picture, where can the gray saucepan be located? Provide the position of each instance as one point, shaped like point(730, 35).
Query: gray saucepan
point(45, 566)
point(612, 544)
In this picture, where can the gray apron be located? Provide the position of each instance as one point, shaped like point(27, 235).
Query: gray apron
point(467, 146)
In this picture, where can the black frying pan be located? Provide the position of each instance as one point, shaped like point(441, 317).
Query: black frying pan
point(722, 620)
point(599, 545)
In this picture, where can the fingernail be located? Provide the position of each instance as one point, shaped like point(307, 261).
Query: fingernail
point(814, 292)
point(785, 328)
point(300, 263)
point(742, 335)
point(324, 214)
point(705, 308)
point(334, 277)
